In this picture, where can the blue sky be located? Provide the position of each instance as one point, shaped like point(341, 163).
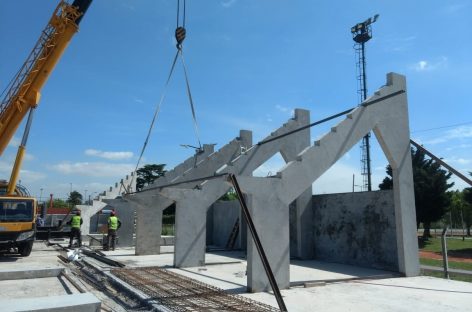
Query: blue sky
point(251, 62)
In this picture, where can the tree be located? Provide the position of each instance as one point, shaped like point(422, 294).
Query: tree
point(147, 174)
point(460, 209)
point(467, 193)
point(75, 198)
point(230, 195)
point(59, 203)
point(430, 186)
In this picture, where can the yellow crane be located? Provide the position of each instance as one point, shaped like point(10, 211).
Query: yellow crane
point(21, 97)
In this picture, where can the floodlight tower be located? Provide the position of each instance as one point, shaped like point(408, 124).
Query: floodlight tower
point(361, 33)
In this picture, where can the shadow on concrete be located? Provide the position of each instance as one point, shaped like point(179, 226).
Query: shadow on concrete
point(419, 288)
point(9, 258)
point(242, 288)
point(345, 269)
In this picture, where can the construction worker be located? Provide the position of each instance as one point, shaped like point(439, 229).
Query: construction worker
point(113, 225)
point(75, 224)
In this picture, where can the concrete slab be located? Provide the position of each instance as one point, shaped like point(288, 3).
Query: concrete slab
point(74, 303)
point(398, 294)
point(34, 288)
point(17, 274)
point(335, 291)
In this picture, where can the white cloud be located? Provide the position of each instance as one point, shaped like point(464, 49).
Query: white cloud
point(461, 132)
point(282, 108)
point(138, 100)
point(109, 155)
point(228, 3)
point(458, 160)
point(399, 44)
point(425, 65)
point(460, 146)
point(31, 176)
point(94, 169)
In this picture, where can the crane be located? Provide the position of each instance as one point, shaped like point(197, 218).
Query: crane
point(21, 97)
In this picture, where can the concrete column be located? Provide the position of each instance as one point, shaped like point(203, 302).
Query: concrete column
point(149, 208)
point(190, 233)
point(274, 237)
point(304, 213)
point(394, 138)
point(190, 222)
point(87, 212)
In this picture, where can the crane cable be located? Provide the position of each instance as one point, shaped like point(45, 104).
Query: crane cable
point(180, 34)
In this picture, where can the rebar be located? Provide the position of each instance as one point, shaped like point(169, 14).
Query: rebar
point(179, 293)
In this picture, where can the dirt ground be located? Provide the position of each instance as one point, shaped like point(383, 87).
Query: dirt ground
point(438, 256)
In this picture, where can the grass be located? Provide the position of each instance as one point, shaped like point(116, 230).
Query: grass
point(167, 229)
point(452, 276)
point(452, 264)
point(455, 247)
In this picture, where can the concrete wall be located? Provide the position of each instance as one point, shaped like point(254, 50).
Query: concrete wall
point(356, 228)
point(224, 215)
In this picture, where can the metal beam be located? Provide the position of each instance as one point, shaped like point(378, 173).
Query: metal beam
point(441, 162)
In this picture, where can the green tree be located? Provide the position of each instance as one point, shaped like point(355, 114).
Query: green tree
point(230, 195)
point(147, 174)
point(430, 184)
point(59, 203)
point(459, 208)
point(467, 193)
point(75, 198)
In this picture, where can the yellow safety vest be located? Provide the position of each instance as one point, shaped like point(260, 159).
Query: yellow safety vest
point(75, 223)
point(113, 223)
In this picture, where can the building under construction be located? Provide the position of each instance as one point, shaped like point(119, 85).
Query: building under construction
point(275, 247)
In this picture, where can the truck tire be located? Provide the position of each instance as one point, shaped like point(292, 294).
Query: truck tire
point(25, 249)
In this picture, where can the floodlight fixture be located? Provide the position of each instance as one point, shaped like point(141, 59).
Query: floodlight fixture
point(362, 32)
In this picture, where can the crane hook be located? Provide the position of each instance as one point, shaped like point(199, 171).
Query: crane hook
point(180, 33)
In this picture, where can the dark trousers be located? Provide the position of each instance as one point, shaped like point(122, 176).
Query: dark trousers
point(111, 239)
point(75, 232)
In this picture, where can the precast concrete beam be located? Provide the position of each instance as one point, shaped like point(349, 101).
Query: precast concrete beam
point(186, 165)
point(216, 160)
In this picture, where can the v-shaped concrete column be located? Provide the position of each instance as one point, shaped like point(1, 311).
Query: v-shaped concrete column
point(190, 222)
point(389, 119)
point(149, 208)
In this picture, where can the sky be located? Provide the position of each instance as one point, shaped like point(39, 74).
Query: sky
point(250, 64)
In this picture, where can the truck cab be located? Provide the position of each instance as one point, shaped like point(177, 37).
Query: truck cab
point(17, 223)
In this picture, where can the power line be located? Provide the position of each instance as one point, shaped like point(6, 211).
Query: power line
point(443, 127)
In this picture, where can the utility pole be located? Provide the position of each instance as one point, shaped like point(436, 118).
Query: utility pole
point(361, 33)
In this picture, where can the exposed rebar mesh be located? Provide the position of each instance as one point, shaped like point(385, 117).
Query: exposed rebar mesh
point(179, 293)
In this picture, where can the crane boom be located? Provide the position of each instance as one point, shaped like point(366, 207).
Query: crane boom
point(23, 92)
point(21, 96)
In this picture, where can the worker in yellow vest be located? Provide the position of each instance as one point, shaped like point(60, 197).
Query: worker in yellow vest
point(75, 224)
point(113, 225)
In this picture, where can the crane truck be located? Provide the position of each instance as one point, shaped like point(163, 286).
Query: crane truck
point(20, 98)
